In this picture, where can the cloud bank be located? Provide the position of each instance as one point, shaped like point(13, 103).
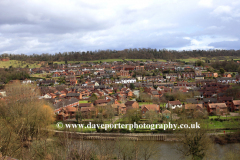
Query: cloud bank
point(43, 26)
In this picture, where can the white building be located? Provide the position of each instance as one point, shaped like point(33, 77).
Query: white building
point(128, 80)
point(173, 104)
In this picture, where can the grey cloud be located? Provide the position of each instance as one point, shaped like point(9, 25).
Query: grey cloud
point(227, 45)
point(49, 27)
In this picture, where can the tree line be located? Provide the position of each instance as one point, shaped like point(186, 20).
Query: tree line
point(229, 66)
point(7, 75)
point(132, 53)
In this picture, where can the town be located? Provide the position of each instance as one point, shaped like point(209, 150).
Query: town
point(111, 89)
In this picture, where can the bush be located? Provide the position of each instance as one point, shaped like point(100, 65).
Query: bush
point(125, 131)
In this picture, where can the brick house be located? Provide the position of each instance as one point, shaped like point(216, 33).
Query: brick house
point(156, 94)
point(132, 104)
point(122, 97)
point(129, 93)
point(124, 73)
point(119, 108)
point(195, 110)
point(227, 75)
point(210, 74)
point(137, 68)
point(193, 107)
point(235, 105)
point(154, 78)
point(228, 101)
point(75, 95)
point(66, 113)
point(188, 75)
point(149, 107)
point(85, 105)
point(56, 74)
point(217, 108)
point(100, 102)
point(73, 81)
point(88, 112)
point(78, 73)
point(207, 101)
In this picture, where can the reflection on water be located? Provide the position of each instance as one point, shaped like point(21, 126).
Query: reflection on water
point(157, 150)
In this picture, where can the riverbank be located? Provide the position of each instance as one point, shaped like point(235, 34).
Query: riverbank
point(226, 138)
point(219, 138)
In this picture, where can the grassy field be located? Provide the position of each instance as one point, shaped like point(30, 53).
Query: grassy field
point(37, 64)
point(222, 117)
point(189, 59)
point(42, 75)
point(83, 101)
point(21, 64)
point(220, 58)
point(224, 124)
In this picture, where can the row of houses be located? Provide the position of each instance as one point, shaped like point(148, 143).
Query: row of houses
point(90, 110)
point(220, 107)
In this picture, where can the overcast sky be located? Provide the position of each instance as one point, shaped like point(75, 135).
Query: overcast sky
point(52, 26)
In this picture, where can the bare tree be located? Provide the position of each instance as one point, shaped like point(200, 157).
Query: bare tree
point(23, 118)
point(152, 116)
point(109, 113)
point(148, 150)
point(133, 115)
point(195, 143)
point(127, 150)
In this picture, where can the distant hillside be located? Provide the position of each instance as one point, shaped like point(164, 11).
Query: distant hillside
point(19, 64)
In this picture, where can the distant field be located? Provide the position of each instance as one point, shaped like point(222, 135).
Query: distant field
point(189, 59)
point(15, 63)
point(38, 64)
point(42, 75)
point(220, 58)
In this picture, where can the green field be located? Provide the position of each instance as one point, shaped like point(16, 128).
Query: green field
point(220, 58)
point(17, 64)
point(42, 75)
point(189, 59)
point(37, 64)
point(83, 101)
point(161, 60)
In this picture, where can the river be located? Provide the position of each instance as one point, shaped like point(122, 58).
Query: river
point(160, 150)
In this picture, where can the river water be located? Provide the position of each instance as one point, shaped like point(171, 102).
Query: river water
point(160, 150)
